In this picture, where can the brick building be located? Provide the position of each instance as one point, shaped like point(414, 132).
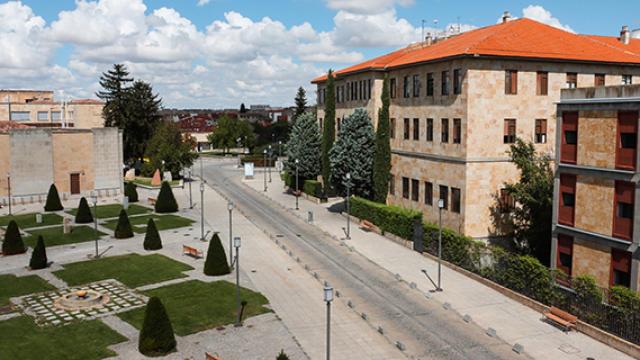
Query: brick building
point(457, 104)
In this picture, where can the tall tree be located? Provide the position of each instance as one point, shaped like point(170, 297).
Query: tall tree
point(329, 131)
point(170, 145)
point(304, 145)
point(243, 109)
point(231, 132)
point(114, 84)
point(301, 103)
point(143, 116)
point(353, 153)
point(382, 155)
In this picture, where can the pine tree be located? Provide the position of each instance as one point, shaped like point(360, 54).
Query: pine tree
point(131, 192)
point(216, 262)
point(304, 145)
point(353, 153)
point(83, 215)
point(53, 200)
point(282, 355)
point(382, 154)
point(152, 237)
point(39, 255)
point(301, 104)
point(243, 109)
point(12, 244)
point(114, 82)
point(123, 228)
point(166, 202)
point(156, 336)
point(142, 109)
point(329, 131)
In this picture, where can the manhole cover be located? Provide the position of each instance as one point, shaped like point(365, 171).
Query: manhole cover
point(568, 349)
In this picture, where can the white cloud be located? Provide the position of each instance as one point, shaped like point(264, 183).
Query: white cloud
point(203, 2)
point(538, 13)
point(22, 37)
point(366, 6)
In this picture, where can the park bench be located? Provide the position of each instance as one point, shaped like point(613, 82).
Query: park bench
point(152, 200)
point(212, 357)
point(191, 251)
point(561, 318)
point(367, 225)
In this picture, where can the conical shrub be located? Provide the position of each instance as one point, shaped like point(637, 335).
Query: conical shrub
point(83, 216)
point(152, 237)
point(282, 356)
point(13, 240)
point(166, 202)
point(130, 191)
point(39, 255)
point(53, 200)
point(156, 336)
point(123, 229)
point(216, 262)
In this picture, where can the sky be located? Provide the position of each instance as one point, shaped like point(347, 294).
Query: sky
point(220, 53)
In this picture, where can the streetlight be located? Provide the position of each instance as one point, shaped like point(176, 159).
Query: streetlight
point(279, 148)
point(9, 190)
point(264, 164)
point(328, 297)
point(297, 193)
point(236, 243)
point(190, 196)
point(94, 199)
point(348, 176)
point(440, 207)
point(230, 208)
point(269, 162)
point(201, 201)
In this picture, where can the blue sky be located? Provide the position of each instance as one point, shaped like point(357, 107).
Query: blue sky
point(223, 52)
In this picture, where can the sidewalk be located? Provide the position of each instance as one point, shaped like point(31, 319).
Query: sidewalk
point(513, 322)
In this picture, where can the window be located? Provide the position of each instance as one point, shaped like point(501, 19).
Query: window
point(392, 128)
point(444, 133)
point(415, 190)
point(428, 193)
point(43, 116)
point(405, 87)
point(361, 90)
point(392, 88)
point(627, 141)
point(511, 82)
point(455, 200)
point(620, 268)
point(569, 144)
point(457, 131)
point(444, 196)
point(541, 131)
point(445, 83)
point(430, 84)
point(369, 89)
point(457, 81)
point(572, 80)
point(392, 184)
point(627, 79)
point(542, 83)
point(21, 115)
point(348, 91)
point(416, 85)
point(406, 129)
point(564, 259)
point(507, 202)
point(429, 129)
point(509, 131)
point(566, 208)
point(405, 187)
point(623, 204)
point(338, 124)
point(416, 129)
point(598, 80)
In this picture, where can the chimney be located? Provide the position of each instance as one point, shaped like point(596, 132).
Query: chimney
point(625, 35)
point(428, 40)
point(506, 16)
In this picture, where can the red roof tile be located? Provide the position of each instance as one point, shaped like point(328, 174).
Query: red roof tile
point(5, 126)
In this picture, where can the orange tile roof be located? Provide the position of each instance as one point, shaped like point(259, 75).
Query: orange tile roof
point(523, 37)
point(5, 126)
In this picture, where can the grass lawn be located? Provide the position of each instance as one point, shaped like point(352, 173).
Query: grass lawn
point(55, 236)
point(12, 286)
point(83, 340)
point(26, 221)
point(195, 306)
point(113, 210)
point(163, 222)
point(132, 270)
point(147, 182)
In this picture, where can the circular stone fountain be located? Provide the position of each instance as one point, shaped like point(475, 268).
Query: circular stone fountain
point(81, 300)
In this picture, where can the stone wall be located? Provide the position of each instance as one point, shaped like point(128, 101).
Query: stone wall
point(72, 154)
point(594, 204)
point(107, 159)
point(5, 163)
point(597, 138)
point(591, 259)
point(31, 161)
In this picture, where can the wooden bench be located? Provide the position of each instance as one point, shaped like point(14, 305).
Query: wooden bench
point(152, 200)
point(560, 318)
point(191, 251)
point(367, 225)
point(212, 357)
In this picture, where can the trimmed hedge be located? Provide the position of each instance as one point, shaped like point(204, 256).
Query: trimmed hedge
point(312, 187)
point(166, 202)
point(216, 263)
point(152, 239)
point(83, 216)
point(13, 244)
point(156, 335)
point(39, 255)
point(53, 200)
point(123, 228)
point(131, 192)
point(392, 219)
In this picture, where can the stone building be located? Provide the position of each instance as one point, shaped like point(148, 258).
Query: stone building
point(458, 103)
point(76, 160)
point(595, 230)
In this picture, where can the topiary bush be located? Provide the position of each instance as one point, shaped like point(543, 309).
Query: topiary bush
point(166, 202)
point(123, 228)
point(131, 192)
point(312, 187)
point(216, 262)
point(83, 216)
point(152, 237)
point(388, 218)
point(53, 200)
point(39, 255)
point(13, 244)
point(156, 336)
point(282, 356)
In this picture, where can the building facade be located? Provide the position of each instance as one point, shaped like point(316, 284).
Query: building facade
point(457, 105)
point(595, 230)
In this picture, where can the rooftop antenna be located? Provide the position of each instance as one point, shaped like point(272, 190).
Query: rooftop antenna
point(458, 24)
point(423, 21)
point(435, 25)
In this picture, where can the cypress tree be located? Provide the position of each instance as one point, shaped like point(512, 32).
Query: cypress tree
point(39, 255)
point(216, 262)
point(166, 202)
point(282, 355)
point(301, 104)
point(83, 216)
point(152, 237)
point(131, 192)
point(123, 228)
point(329, 131)
point(53, 200)
point(156, 335)
point(13, 244)
point(382, 154)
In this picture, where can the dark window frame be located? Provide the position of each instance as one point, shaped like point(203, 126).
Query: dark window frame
point(416, 129)
point(429, 134)
point(444, 131)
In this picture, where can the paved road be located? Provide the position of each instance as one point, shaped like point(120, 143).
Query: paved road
point(427, 330)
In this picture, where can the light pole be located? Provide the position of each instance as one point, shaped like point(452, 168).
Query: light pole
point(348, 176)
point(269, 162)
point(236, 243)
point(297, 193)
point(230, 208)
point(190, 195)
point(201, 201)
point(9, 190)
point(94, 199)
point(279, 148)
point(328, 297)
point(440, 207)
point(264, 164)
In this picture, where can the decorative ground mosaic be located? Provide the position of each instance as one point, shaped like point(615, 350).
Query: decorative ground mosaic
point(46, 309)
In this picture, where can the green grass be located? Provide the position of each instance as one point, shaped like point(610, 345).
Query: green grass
point(12, 286)
point(132, 270)
point(195, 306)
point(83, 340)
point(55, 236)
point(163, 222)
point(147, 182)
point(26, 221)
point(113, 210)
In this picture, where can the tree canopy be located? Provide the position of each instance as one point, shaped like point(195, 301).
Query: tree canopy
point(304, 145)
point(231, 132)
point(301, 103)
point(170, 145)
point(114, 83)
point(328, 131)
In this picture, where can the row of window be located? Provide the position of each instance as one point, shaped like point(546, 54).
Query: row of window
point(542, 81)
point(412, 85)
point(41, 115)
point(354, 90)
point(411, 189)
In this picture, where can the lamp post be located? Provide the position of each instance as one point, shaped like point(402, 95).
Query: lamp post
point(230, 208)
point(279, 148)
point(328, 297)
point(440, 207)
point(190, 195)
point(201, 201)
point(348, 176)
point(236, 243)
point(269, 162)
point(297, 193)
point(264, 164)
point(94, 199)
point(9, 190)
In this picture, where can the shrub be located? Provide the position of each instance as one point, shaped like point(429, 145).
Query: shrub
point(524, 274)
point(624, 298)
point(123, 228)
point(587, 291)
point(83, 216)
point(156, 335)
point(131, 192)
point(312, 187)
point(216, 262)
point(147, 170)
point(166, 202)
point(13, 244)
point(53, 200)
point(152, 237)
point(39, 255)
point(282, 356)
point(388, 218)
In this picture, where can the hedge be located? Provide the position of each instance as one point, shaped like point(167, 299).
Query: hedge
point(392, 219)
point(312, 187)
